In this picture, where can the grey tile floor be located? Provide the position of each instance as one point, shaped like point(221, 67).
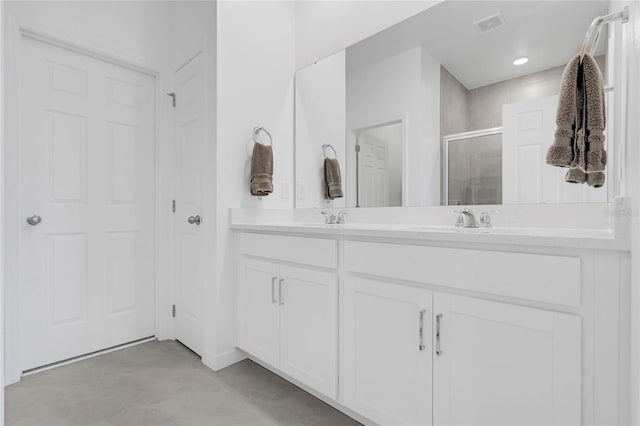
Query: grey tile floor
point(162, 383)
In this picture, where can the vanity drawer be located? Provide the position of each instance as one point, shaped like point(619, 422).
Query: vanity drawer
point(307, 251)
point(541, 278)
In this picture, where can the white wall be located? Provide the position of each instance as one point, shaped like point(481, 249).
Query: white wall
point(324, 27)
point(255, 88)
point(320, 119)
point(631, 38)
point(406, 87)
point(139, 30)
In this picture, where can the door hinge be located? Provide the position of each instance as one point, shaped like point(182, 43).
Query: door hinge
point(173, 99)
point(357, 147)
point(173, 311)
point(173, 206)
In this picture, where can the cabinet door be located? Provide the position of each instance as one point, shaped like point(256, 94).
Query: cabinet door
point(502, 364)
point(387, 365)
point(258, 314)
point(309, 328)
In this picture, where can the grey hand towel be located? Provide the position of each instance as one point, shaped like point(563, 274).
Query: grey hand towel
point(333, 181)
point(262, 170)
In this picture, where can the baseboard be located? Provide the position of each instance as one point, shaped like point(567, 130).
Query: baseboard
point(219, 361)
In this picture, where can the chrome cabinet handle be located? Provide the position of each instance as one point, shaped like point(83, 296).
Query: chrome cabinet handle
point(280, 283)
point(438, 320)
point(34, 219)
point(273, 290)
point(421, 345)
point(197, 220)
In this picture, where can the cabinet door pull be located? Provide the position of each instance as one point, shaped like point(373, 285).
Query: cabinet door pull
point(280, 293)
point(421, 345)
point(273, 290)
point(438, 320)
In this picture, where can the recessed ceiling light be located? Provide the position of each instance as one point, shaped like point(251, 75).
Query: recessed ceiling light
point(521, 61)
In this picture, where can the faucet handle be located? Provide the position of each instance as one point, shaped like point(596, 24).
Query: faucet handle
point(341, 217)
point(485, 218)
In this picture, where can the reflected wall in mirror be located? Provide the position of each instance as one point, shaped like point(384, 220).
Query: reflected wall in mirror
point(422, 101)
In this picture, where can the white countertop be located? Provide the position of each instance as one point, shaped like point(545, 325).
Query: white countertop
point(549, 237)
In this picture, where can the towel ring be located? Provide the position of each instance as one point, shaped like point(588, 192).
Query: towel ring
point(324, 150)
point(256, 133)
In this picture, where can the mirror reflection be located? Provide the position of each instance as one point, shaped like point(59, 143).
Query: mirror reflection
point(454, 106)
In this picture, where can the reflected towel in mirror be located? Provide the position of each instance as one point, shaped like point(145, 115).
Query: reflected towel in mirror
point(332, 179)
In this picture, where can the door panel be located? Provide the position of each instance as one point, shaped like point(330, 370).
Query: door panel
point(190, 242)
point(309, 328)
point(258, 310)
point(505, 365)
point(87, 168)
point(387, 375)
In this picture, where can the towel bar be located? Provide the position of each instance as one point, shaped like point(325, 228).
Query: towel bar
point(324, 151)
point(256, 133)
point(595, 29)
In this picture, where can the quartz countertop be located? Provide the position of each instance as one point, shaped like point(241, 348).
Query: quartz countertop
point(549, 237)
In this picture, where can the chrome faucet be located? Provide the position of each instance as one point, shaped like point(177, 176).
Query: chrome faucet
point(329, 218)
point(333, 219)
point(466, 219)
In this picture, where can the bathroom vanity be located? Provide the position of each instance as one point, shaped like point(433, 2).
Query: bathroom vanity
point(397, 317)
point(419, 325)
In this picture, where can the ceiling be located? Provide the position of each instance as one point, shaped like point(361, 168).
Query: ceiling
point(549, 33)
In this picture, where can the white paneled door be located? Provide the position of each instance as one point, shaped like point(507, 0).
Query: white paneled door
point(373, 179)
point(527, 133)
point(87, 172)
point(190, 243)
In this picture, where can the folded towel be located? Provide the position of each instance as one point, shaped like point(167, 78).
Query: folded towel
point(332, 179)
point(262, 170)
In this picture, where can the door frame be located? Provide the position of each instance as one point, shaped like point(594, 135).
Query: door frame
point(9, 226)
point(352, 140)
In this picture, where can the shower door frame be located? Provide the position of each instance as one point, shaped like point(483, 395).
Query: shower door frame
point(444, 155)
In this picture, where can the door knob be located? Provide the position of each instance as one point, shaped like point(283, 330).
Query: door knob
point(34, 219)
point(197, 220)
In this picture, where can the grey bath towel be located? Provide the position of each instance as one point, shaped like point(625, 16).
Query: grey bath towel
point(580, 120)
point(561, 153)
point(332, 179)
point(261, 170)
point(592, 157)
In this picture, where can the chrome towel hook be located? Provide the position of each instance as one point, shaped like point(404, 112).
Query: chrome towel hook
point(329, 146)
point(256, 133)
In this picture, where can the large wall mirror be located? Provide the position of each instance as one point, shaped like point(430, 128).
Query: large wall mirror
point(454, 106)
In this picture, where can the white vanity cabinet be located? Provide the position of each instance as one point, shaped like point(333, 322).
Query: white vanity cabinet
point(484, 362)
point(416, 333)
point(387, 352)
point(503, 364)
point(288, 315)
